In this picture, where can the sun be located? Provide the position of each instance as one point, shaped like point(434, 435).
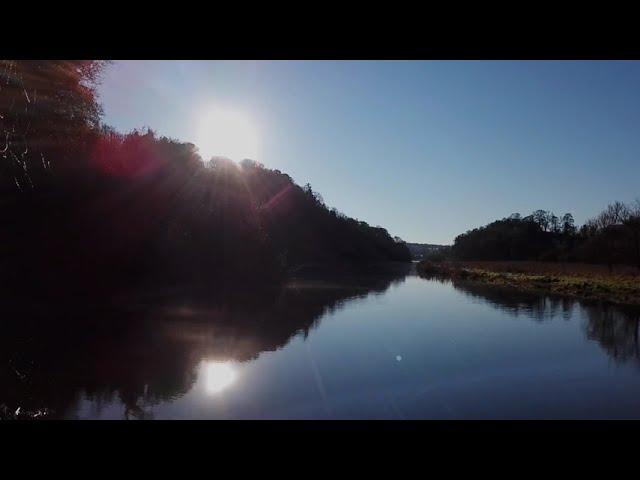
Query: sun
point(226, 133)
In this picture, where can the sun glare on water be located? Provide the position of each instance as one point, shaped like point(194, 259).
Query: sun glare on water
point(218, 376)
point(226, 133)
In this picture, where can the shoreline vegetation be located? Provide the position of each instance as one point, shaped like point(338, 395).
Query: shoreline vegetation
point(619, 285)
point(549, 254)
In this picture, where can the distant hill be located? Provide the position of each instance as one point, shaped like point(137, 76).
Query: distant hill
point(419, 250)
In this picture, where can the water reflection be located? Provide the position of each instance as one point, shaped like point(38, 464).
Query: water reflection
point(419, 351)
point(218, 376)
point(149, 349)
point(616, 331)
point(614, 327)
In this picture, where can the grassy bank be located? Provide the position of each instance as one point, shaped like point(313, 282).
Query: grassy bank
point(590, 282)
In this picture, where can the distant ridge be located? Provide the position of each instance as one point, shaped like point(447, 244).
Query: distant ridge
point(420, 250)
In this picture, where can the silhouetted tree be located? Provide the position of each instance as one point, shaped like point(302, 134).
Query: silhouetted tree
point(568, 224)
point(49, 113)
point(541, 217)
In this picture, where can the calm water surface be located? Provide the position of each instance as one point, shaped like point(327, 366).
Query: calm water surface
point(377, 347)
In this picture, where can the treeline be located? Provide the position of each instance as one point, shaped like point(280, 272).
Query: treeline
point(83, 204)
point(612, 237)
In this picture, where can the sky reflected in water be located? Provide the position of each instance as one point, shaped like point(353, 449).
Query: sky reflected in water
point(218, 376)
point(383, 347)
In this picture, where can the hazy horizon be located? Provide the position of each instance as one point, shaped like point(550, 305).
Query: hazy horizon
point(427, 150)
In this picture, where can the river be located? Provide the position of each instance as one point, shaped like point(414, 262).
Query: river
point(376, 346)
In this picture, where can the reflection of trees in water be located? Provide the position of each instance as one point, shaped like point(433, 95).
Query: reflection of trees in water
point(149, 352)
point(614, 327)
point(537, 307)
point(616, 330)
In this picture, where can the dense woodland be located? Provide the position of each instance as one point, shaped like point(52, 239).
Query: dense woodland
point(612, 237)
point(85, 205)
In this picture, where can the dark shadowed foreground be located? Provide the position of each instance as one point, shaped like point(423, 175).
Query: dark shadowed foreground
point(381, 345)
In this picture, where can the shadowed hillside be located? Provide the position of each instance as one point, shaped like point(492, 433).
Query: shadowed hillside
point(91, 209)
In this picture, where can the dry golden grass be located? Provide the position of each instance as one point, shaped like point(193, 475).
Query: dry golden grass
point(554, 268)
point(592, 282)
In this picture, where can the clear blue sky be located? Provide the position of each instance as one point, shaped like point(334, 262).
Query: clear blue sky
point(427, 150)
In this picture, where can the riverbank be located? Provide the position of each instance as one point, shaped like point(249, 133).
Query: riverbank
point(590, 282)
